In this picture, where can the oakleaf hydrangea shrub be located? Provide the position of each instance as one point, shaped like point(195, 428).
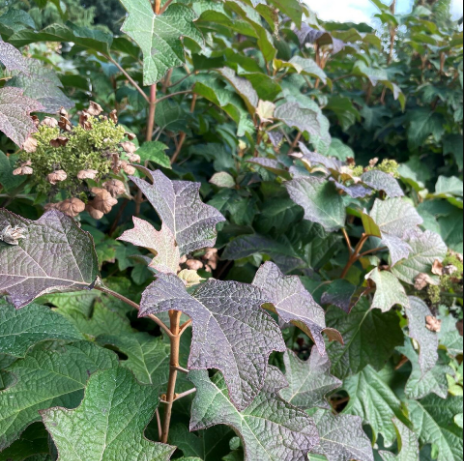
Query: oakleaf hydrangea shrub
point(272, 275)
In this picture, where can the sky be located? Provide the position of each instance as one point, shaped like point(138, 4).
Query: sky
point(361, 10)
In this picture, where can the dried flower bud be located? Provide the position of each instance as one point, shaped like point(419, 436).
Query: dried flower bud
point(422, 281)
point(433, 324)
point(183, 260)
point(12, 235)
point(116, 163)
point(373, 162)
point(114, 116)
point(63, 112)
point(130, 136)
point(36, 120)
point(65, 124)
point(61, 141)
point(194, 265)
point(71, 207)
point(56, 177)
point(450, 270)
point(190, 278)
point(30, 145)
point(212, 257)
point(103, 200)
point(127, 167)
point(24, 170)
point(94, 109)
point(134, 158)
point(96, 214)
point(115, 187)
point(50, 122)
point(129, 147)
point(84, 121)
point(87, 174)
point(437, 268)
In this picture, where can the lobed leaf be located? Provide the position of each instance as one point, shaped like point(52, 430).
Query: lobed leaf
point(294, 304)
point(309, 382)
point(179, 206)
point(270, 429)
point(45, 378)
point(12, 58)
point(342, 437)
point(231, 333)
point(24, 328)
point(110, 422)
point(408, 443)
point(389, 292)
point(56, 256)
point(384, 182)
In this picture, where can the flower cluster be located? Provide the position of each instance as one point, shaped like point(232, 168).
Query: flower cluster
point(83, 163)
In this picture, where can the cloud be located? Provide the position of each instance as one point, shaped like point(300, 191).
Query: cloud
point(343, 10)
point(457, 8)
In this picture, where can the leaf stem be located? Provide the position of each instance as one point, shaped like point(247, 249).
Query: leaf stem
point(172, 95)
point(356, 255)
point(173, 372)
point(135, 306)
point(348, 240)
point(185, 326)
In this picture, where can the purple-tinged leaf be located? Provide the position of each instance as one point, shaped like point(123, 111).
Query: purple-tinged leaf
point(426, 248)
point(270, 428)
point(179, 206)
point(288, 298)
point(55, 256)
point(309, 381)
point(315, 159)
point(15, 110)
point(381, 181)
point(355, 191)
point(243, 87)
point(12, 58)
point(427, 340)
point(389, 291)
point(320, 200)
point(308, 34)
point(340, 293)
point(274, 166)
point(342, 437)
point(161, 243)
point(231, 333)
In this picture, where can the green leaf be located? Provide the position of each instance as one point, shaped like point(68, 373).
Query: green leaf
point(159, 37)
point(426, 248)
point(153, 151)
point(303, 66)
point(55, 256)
point(362, 326)
point(381, 181)
point(309, 382)
point(32, 443)
point(424, 124)
point(422, 383)
point(112, 417)
point(22, 329)
point(408, 445)
point(147, 357)
point(270, 428)
point(7, 166)
point(389, 292)
point(453, 144)
point(93, 39)
point(345, 111)
point(243, 87)
point(223, 180)
point(320, 200)
point(372, 399)
point(65, 372)
point(342, 437)
point(433, 420)
point(449, 186)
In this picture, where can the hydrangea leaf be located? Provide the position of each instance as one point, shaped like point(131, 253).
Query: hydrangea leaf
point(43, 85)
point(342, 437)
point(231, 333)
point(46, 378)
point(110, 423)
point(21, 329)
point(309, 382)
point(55, 256)
point(408, 443)
point(154, 151)
point(372, 399)
point(270, 429)
point(389, 291)
point(320, 200)
point(427, 340)
point(293, 303)
point(31, 446)
point(426, 248)
point(449, 336)
point(433, 420)
point(421, 384)
point(340, 293)
point(162, 243)
point(159, 36)
point(179, 206)
point(449, 186)
point(243, 87)
point(362, 326)
point(147, 357)
point(381, 181)
point(12, 58)
point(392, 221)
point(15, 110)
